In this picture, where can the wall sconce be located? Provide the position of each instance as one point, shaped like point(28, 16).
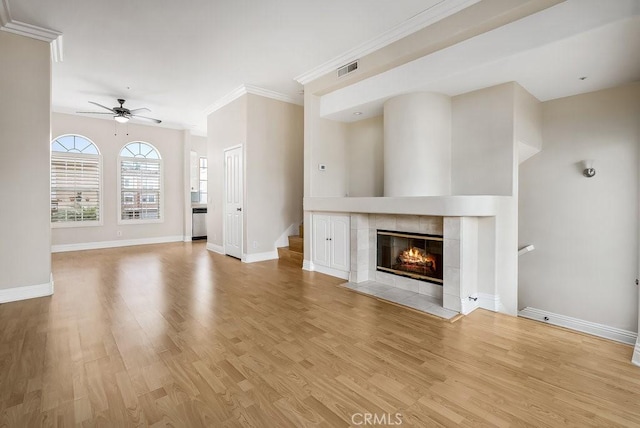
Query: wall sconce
point(588, 171)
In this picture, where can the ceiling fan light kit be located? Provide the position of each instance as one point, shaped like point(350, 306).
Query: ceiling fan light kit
point(122, 114)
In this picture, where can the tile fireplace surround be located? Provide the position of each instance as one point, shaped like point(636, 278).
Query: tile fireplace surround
point(479, 252)
point(459, 261)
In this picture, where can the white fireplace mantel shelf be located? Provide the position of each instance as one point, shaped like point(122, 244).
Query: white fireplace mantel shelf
point(449, 206)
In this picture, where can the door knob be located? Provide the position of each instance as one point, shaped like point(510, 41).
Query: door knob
point(238, 209)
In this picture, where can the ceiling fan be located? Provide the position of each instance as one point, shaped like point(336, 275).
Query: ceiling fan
point(122, 114)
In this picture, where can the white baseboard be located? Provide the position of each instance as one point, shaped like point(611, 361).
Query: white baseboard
point(330, 271)
point(260, 257)
point(312, 267)
point(307, 265)
point(215, 248)
point(636, 354)
point(113, 244)
point(188, 238)
point(600, 330)
point(490, 302)
point(467, 306)
point(27, 292)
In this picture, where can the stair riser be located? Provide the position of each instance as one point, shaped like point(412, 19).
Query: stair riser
point(296, 243)
point(291, 256)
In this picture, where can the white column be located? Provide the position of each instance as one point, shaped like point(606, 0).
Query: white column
point(452, 254)
point(360, 248)
point(460, 264)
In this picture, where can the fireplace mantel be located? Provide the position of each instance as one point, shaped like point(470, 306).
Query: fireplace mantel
point(452, 206)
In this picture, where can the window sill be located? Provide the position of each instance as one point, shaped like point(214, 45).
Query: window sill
point(141, 221)
point(74, 224)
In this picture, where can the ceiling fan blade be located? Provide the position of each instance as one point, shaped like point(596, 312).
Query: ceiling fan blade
point(135, 116)
point(94, 112)
point(100, 105)
point(139, 110)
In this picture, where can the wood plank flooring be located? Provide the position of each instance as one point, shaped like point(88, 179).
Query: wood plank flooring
point(173, 335)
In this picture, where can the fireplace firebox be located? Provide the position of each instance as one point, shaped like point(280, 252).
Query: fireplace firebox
point(413, 255)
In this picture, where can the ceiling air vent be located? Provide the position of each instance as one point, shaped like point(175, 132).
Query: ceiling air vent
point(349, 68)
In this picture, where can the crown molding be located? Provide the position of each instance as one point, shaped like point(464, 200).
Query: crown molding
point(417, 22)
point(227, 99)
point(249, 89)
point(33, 31)
point(271, 94)
point(56, 49)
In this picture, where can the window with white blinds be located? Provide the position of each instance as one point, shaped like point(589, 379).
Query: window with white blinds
point(76, 178)
point(140, 183)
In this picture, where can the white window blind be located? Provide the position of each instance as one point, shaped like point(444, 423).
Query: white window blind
point(75, 181)
point(140, 189)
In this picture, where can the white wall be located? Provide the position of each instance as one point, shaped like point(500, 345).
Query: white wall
point(482, 139)
point(330, 150)
point(25, 234)
point(326, 144)
point(226, 127)
point(417, 145)
point(274, 176)
point(528, 118)
point(199, 145)
point(102, 132)
point(271, 133)
point(527, 125)
point(485, 126)
point(365, 170)
point(585, 230)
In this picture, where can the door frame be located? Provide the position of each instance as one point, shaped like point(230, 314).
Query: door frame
point(224, 198)
point(635, 358)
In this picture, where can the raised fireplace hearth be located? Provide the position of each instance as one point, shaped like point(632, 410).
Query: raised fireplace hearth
point(413, 255)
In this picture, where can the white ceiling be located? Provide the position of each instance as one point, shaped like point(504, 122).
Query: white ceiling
point(177, 58)
point(547, 53)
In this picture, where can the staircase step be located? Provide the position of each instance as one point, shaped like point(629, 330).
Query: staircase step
point(294, 257)
point(296, 243)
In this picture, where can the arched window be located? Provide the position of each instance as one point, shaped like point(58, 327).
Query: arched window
point(76, 182)
point(140, 183)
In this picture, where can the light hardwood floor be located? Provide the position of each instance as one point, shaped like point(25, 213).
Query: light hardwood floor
point(173, 335)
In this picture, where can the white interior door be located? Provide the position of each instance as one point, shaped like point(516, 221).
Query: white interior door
point(234, 196)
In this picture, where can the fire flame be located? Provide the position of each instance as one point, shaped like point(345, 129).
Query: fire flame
point(416, 256)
